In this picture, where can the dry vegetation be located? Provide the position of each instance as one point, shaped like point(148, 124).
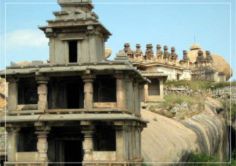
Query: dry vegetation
point(199, 85)
point(180, 107)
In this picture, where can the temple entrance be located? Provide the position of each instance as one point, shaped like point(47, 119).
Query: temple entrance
point(73, 152)
point(65, 146)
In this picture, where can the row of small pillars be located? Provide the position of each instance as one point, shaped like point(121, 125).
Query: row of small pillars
point(149, 54)
point(42, 130)
point(42, 91)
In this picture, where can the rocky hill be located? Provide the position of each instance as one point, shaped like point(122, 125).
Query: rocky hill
point(168, 140)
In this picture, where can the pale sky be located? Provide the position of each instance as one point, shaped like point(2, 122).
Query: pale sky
point(178, 23)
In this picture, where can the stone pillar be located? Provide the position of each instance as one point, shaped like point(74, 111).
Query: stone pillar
point(42, 144)
point(120, 142)
point(146, 92)
point(129, 94)
point(87, 130)
point(12, 94)
point(42, 93)
point(136, 99)
point(88, 91)
point(12, 135)
point(120, 92)
point(138, 142)
point(161, 88)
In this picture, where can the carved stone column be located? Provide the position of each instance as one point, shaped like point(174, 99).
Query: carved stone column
point(12, 94)
point(42, 93)
point(161, 88)
point(87, 130)
point(88, 91)
point(136, 98)
point(12, 134)
point(146, 92)
point(120, 91)
point(139, 129)
point(42, 144)
point(120, 142)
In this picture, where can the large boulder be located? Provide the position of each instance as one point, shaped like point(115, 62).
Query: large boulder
point(170, 140)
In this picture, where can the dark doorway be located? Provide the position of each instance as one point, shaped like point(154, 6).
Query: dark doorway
point(27, 91)
point(73, 96)
point(154, 87)
point(65, 146)
point(104, 89)
point(27, 140)
point(66, 93)
point(73, 51)
point(73, 152)
point(104, 140)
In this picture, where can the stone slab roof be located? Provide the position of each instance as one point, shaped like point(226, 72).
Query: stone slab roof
point(69, 117)
point(50, 68)
point(153, 74)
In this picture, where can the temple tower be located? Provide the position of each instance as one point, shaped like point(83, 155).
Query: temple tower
point(76, 35)
point(78, 107)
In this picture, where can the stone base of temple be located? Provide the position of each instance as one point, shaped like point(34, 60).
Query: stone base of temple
point(82, 164)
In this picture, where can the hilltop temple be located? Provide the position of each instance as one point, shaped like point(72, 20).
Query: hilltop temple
point(162, 65)
point(79, 107)
point(195, 64)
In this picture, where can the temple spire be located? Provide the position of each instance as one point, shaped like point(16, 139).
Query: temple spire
point(86, 4)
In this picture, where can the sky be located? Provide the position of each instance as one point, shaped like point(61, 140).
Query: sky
point(178, 23)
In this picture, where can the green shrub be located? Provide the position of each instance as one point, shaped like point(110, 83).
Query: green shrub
point(202, 159)
point(206, 160)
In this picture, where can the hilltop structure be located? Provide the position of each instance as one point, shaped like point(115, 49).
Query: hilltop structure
point(163, 65)
point(78, 107)
point(196, 64)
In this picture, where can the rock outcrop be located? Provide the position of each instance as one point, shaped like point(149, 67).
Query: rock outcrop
point(166, 140)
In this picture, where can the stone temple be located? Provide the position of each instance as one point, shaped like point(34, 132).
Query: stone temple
point(78, 107)
point(196, 64)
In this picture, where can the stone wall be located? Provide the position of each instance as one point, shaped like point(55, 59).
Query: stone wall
point(182, 90)
point(225, 93)
point(219, 93)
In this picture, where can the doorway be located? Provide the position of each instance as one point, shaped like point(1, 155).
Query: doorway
point(65, 147)
point(73, 152)
point(73, 95)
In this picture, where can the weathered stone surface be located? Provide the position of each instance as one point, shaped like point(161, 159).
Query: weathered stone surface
point(169, 140)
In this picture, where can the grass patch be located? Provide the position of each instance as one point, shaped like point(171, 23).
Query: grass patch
point(172, 106)
point(172, 99)
point(194, 85)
